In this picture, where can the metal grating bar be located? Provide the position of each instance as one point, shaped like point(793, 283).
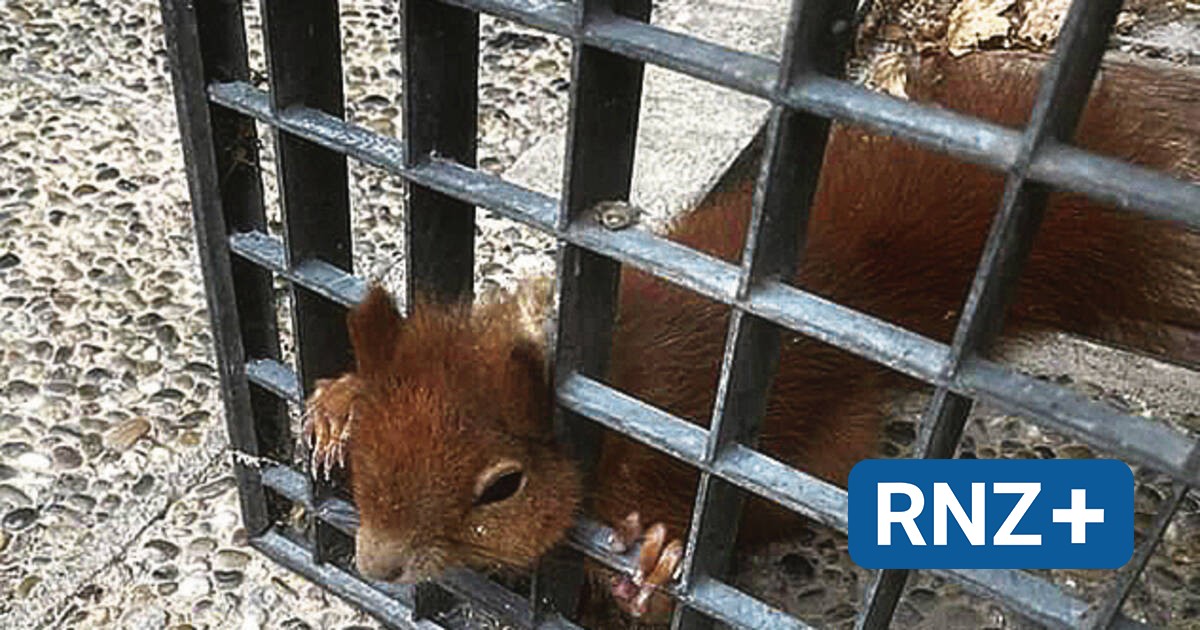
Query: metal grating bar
point(303, 49)
point(1105, 179)
point(207, 44)
point(388, 606)
point(508, 606)
point(817, 38)
point(441, 93)
point(1126, 578)
point(1138, 440)
point(606, 91)
point(1130, 187)
point(1060, 102)
point(596, 28)
point(326, 280)
point(1025, 593)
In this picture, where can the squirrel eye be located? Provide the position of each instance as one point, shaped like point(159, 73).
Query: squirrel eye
point(499, 482)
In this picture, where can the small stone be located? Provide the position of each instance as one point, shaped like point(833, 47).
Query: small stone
point(124, 435)
point(143, 485)
point(165, 573)
point(20, 518)
point(165, 550)
point(229, 579)
point(67, 458)
point(201, 547)
point(230, 560)
point(921, 598)
point(1075, 451)
point(81, 502)
point(194, 586)
point(7, 472)
point(215, 488)
point(166, 588)
point(616, 215)
point(9, 260)
point(20, 392)
point(845, 611)
point(27, 585)
point(15, 496)
point(150, 617)
point(195, 418)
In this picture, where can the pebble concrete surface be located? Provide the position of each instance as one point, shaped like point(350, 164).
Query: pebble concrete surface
point(117, 507)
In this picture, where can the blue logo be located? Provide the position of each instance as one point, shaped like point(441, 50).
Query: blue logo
point(991, 514)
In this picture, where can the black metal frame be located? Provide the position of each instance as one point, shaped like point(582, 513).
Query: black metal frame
point(217, 106)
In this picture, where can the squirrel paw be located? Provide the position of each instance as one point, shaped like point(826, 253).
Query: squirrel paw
point(328, 421)
point(659, 563)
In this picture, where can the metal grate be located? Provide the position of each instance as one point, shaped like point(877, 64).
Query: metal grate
point(218, 107)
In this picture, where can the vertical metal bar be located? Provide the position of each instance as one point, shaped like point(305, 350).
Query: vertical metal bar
point(441, 93)
point(817, 40)
point(1060, 102)
point(606, 92)
point(206, 42)
point(303, 41)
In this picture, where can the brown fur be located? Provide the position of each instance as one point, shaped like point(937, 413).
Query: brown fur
point(418, 449)
point(895, 231)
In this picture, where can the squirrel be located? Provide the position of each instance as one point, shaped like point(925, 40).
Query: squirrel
point(443, 425)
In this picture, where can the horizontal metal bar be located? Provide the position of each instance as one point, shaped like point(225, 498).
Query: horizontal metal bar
point(686, 441)
point(468, 184)
point(795, 490)
point(898, 348)
point(1024, 593)
point(343, 516)
point(973, 139)
point(1067, 168)
point(1117, 182)
point(388, 607)
point(712, 63)
point(1137, 440)
point(276, 378)
point(554, 16)
point(318, 276)
point(1027, 594)
point(1141, 440)
point(834, 324)
point(725, 603)
point(630, 416)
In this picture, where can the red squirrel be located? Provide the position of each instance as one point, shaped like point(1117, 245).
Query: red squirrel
point(444, 423)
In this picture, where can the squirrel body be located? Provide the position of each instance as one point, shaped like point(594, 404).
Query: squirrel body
point(446, 417)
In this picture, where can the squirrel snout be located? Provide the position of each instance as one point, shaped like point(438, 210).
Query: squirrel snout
point(380, 558)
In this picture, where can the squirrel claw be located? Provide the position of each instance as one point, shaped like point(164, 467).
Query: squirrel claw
point(328, 424)
point(659, 562)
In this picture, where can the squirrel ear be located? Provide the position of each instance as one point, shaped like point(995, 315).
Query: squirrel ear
point(375, 326)
point(527, 360)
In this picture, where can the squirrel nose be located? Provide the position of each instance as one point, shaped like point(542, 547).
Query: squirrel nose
point(378, 558)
